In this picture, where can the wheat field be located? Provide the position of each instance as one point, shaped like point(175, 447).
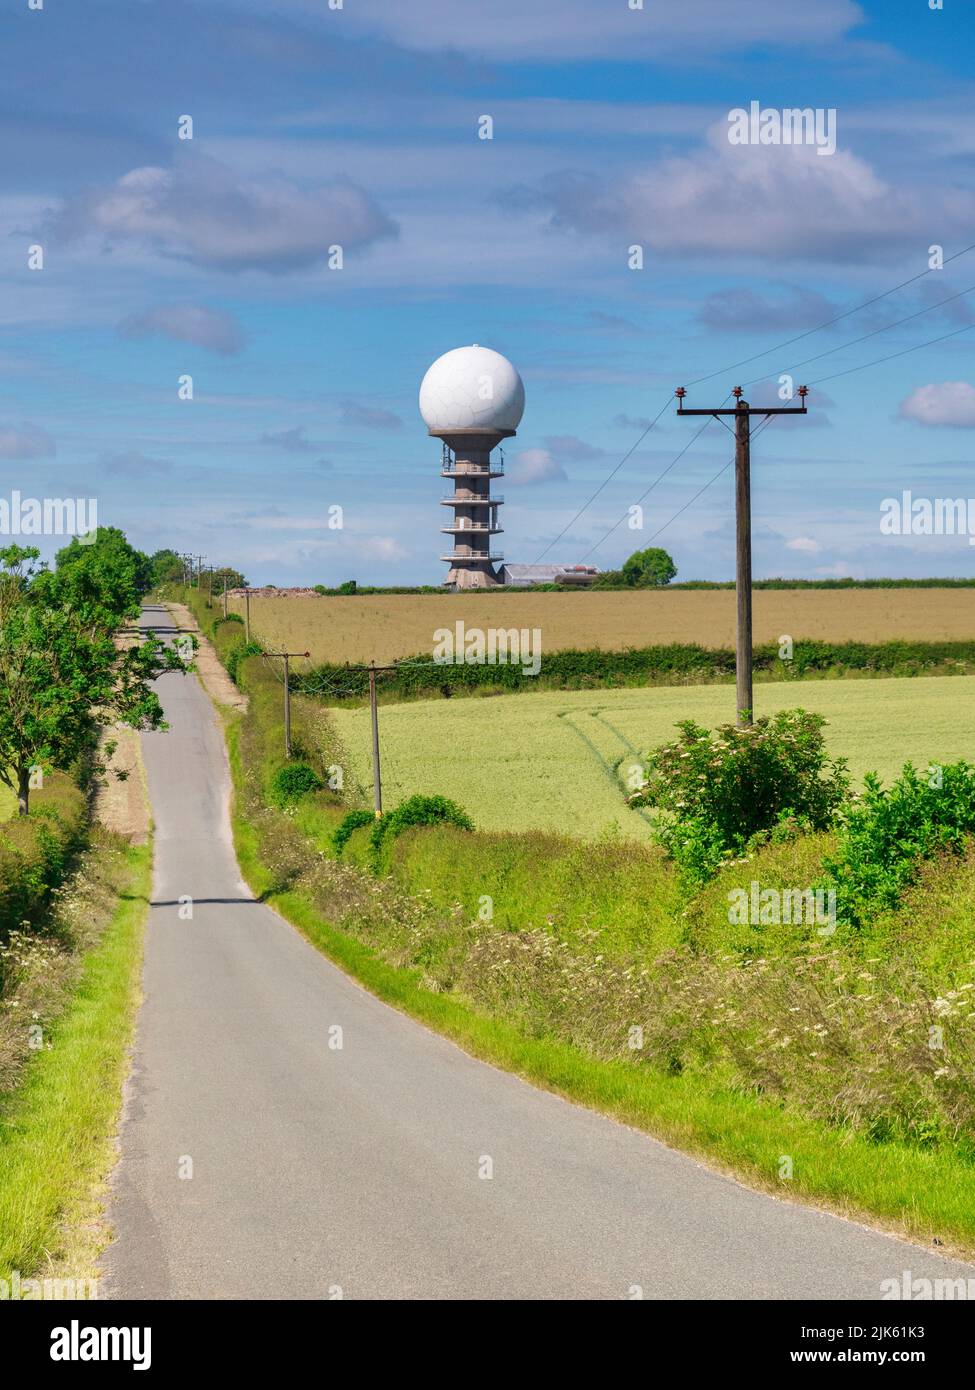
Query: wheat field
point(553, 760)
point(387, 627)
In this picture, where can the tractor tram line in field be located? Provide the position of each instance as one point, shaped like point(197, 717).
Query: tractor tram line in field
point(611, 769)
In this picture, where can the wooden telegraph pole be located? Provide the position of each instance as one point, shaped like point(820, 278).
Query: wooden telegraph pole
point(377, 786)
point(247, 615)
point(743, 412)
point(287, 695)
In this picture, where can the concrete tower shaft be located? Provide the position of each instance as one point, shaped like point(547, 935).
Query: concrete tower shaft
point(473, 519)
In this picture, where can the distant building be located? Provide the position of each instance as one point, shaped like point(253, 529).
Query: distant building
point(524, 576)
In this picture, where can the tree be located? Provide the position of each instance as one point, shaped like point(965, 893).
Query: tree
point(227, 578)
point(650, 568)
point(100, 581)
point(167, 568)
point(62, 673)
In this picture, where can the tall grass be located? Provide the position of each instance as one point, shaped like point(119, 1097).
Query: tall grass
point(56, 1125)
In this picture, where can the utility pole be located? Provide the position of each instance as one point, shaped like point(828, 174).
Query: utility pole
point(225, 593)
point(247, 615)
point(377, 786)
point(743, 412)
point(287, 695)
point(199, 571)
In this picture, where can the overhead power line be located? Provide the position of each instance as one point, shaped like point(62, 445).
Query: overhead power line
point(788, 342)
point(829, 322)
point(903, 353)
point(605, 482)
point(794, 367)
point(660, 476)
point(701, 491)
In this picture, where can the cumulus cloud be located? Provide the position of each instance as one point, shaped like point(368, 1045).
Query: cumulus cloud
point(370, 416)
point(818, 401)
point(533, 466)
point(556, 30)
point(612, 324)
point(775, 201)
point(25, 441)
point(569, 446)
point(213, 329)
point(747, 311)
point(632, 422)
point(385, 548)
point(201, 211)
point(131, 463)
point(292, 441)
point(950, 403)
point(804, 543)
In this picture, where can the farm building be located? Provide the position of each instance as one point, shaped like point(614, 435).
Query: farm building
point(523, 576)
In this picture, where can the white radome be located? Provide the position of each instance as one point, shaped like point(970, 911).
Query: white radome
point(472, 388)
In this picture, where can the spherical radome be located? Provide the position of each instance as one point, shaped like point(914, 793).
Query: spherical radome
point(472, 388)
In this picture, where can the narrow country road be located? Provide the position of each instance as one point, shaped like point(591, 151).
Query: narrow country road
point(316, 1170)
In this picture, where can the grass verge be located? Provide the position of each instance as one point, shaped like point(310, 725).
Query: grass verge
point(922, 1195)
point(57, 1125)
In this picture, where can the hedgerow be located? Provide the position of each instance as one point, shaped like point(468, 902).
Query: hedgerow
point(673, 664)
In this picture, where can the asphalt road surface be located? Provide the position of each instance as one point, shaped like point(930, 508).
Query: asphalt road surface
point(357, 1172)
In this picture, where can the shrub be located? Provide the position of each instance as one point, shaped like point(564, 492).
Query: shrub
point(36, 851)
point(290, 783)
point(238, 653)
point(885, 835)
point(352, 822)
point(417, 810)
point(725, 789)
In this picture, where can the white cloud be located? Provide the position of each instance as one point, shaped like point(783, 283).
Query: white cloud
point(534, 466)
point(555, 30)
point(132, 463)
point(213, 329)
point(804, 543)
point(778, 201)
point(385, 548)
point(293, 441)
point(25, 441)
point(201, 211)
point(950, 403)
point(371, 417)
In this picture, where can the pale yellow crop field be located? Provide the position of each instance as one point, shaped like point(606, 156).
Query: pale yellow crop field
point(8, 803)
point(387, 627)
point(553, 759)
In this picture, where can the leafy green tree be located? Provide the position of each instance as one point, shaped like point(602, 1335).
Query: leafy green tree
point(227, 578)
point(99, 581)
point(167, 567)
point(609, 579)
point(63, 675)
point(649, 569)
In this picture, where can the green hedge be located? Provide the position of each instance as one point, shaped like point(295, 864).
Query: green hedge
point(675, 664)
point(35, 850)
point(366, 589)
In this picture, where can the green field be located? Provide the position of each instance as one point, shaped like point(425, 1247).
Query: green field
point(8, 802)
point(552, 760)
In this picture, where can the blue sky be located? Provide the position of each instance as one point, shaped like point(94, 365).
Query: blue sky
point(358, 126)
